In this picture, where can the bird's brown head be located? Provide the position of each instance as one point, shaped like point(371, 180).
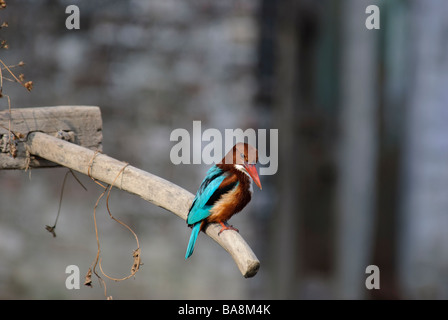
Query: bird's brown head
point(244, 157)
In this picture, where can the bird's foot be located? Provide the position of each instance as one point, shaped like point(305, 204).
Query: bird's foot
point(226, 227)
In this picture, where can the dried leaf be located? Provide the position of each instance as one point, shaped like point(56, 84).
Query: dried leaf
point(29, 85)
point(51, 230)
point(137, 264)
point(88, 279)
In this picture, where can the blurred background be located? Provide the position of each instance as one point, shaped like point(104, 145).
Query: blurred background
point(363, 145)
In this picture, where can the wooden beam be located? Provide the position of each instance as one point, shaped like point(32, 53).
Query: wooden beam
point(79, 124)
point(148, 186)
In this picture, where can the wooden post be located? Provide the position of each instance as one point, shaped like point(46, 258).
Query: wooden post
point(78, 124)
point(133, 180)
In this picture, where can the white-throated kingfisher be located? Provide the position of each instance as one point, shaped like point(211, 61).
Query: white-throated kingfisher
point(225, 190)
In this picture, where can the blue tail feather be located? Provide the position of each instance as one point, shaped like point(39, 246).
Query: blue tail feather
point(193, 237)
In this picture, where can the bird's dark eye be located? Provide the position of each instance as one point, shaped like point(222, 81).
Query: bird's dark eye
point(242, 155)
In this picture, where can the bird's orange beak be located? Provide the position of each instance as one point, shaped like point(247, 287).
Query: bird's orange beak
point(250, 168)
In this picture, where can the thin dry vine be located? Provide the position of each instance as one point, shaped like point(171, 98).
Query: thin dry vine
point(52, 228)
point(97, 261)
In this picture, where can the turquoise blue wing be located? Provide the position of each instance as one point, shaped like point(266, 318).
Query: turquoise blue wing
point(199, 209)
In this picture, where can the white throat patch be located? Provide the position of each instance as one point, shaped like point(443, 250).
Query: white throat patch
point(242, 169)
